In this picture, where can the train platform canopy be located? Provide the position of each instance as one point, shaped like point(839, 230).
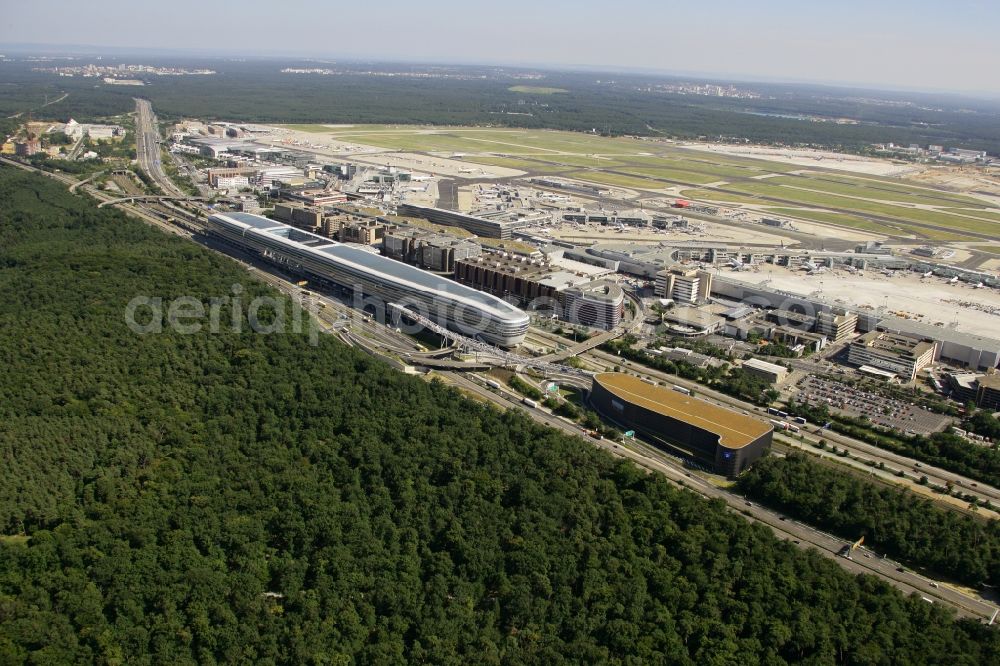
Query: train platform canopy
point(255, 221)
point(735, 430)
point(373, 264)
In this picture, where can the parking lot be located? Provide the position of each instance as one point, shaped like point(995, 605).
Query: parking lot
point(882, 411)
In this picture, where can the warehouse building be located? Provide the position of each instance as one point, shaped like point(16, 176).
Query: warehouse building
point(717, 438)
point(956, 347)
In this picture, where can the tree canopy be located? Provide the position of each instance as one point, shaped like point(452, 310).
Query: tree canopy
point(252, 498)
point(906, 526)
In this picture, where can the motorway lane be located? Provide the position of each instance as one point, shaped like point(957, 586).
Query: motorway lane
point(892, 461)
point(654, 460)
point(935, 475)
point(800, 534)
point(147, 135)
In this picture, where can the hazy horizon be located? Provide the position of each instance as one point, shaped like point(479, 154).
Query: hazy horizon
point(895, 46)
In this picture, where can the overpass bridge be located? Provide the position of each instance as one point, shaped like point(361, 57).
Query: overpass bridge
point(147, 197)
point(584, 346)
point(629, 325)
point(483, 348)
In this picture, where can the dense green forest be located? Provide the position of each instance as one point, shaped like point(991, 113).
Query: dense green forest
point(256, 90)
point(902, 525)
point(249, 498)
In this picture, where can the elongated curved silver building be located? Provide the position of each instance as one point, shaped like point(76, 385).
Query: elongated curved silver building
point(459, 308)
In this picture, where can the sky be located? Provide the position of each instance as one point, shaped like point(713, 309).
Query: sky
point(928, 45)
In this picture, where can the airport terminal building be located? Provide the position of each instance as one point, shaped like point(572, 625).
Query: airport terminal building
point(721, 440)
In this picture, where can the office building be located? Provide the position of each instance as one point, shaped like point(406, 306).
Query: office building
point(902, 355)
point(317, 197)
point(299, 215)
point(428, 250)
point(981, 390)
point(988, 392)
point(223, 173)
point(342, 171)
point(231, 182)
point(507, 277)
point(769, 372)
point(331, 225)
point(684, 285)
point(837, 325)
point(249, 205)
point(539, 285)
point(478, 225)
point(597, 304)
point(719, 439)
point(367, 232)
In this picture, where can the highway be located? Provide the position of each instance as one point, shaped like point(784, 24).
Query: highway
point(801, 535)
point(147, 135)
point(378, 338)
point(912, 468)
point(349, 325)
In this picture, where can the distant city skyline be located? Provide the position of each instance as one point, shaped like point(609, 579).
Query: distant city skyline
point(920, 45)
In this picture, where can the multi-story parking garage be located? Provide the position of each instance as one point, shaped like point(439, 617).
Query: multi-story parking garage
point(717, 438)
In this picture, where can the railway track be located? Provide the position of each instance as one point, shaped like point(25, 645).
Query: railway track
point(182, 221)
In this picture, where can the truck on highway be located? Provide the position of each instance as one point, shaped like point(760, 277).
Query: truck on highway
point(849, 548)
point(681, 389)
point(493, 384)
point(529, 402)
